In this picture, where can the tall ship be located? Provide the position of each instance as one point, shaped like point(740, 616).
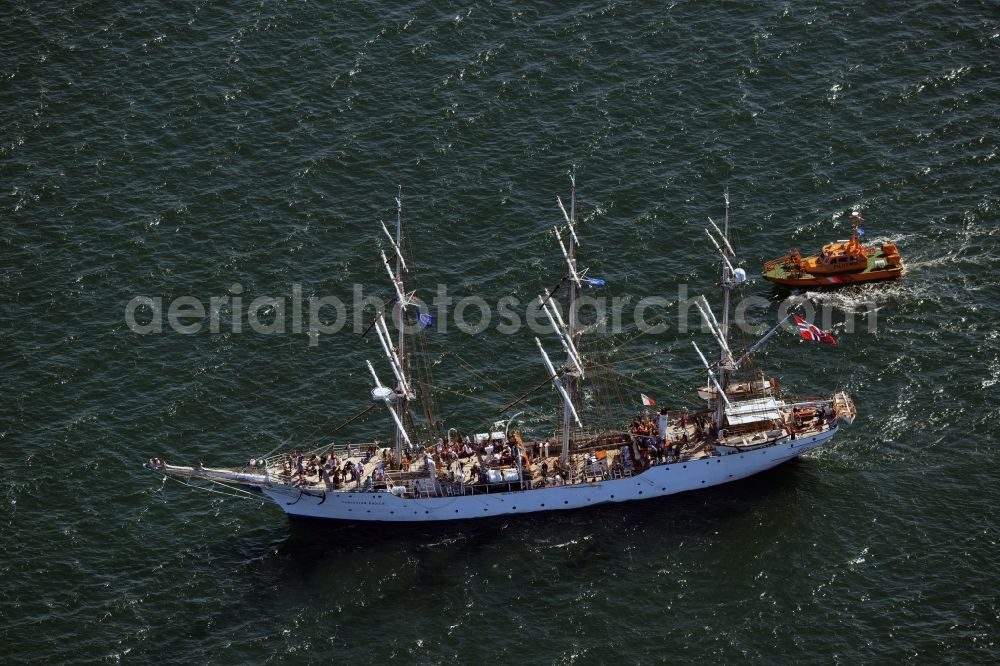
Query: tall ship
point(745, 426)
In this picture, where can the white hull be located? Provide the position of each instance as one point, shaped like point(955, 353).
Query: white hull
point(657, 481)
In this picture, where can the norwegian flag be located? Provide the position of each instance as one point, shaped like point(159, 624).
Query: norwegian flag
point(647, 401)
point(813, 333)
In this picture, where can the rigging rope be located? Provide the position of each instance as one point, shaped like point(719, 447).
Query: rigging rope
point(236, 493)
point(284, 442)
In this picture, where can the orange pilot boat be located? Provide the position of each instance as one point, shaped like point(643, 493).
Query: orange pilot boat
point(840, 263)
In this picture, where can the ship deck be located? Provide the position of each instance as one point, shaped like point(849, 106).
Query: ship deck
point(489, 469)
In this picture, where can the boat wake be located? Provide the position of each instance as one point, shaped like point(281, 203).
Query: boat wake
point(865, 299)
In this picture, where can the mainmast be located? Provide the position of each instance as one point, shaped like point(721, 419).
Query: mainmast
point(402, 387)
point(573, 370)
point(568, 378)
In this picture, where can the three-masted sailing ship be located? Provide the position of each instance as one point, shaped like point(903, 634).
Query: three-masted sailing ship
point(747, 426)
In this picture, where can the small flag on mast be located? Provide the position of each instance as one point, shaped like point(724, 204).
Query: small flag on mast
point(647, 401)
point(425, 319)
point(812, 332)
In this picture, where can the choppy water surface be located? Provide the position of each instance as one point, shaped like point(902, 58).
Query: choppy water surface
point(169, 150)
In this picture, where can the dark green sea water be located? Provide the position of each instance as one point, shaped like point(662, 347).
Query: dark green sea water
point(169, 149)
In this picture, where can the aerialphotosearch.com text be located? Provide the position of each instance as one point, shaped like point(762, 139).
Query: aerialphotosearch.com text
point(318, 316)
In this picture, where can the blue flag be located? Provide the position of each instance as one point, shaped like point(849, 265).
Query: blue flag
point(861, 232)
point(596, 282)
point(425, 319)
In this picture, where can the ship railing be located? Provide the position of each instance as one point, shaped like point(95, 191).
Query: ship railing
point(422, 488)
point(597, 471)
point(343, 450)
point(488, 488)
point(771, 264)
point(587, 441)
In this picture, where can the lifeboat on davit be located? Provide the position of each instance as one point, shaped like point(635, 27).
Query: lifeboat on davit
point(840, 263)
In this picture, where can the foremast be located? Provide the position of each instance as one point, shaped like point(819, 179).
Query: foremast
point(396, 401)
